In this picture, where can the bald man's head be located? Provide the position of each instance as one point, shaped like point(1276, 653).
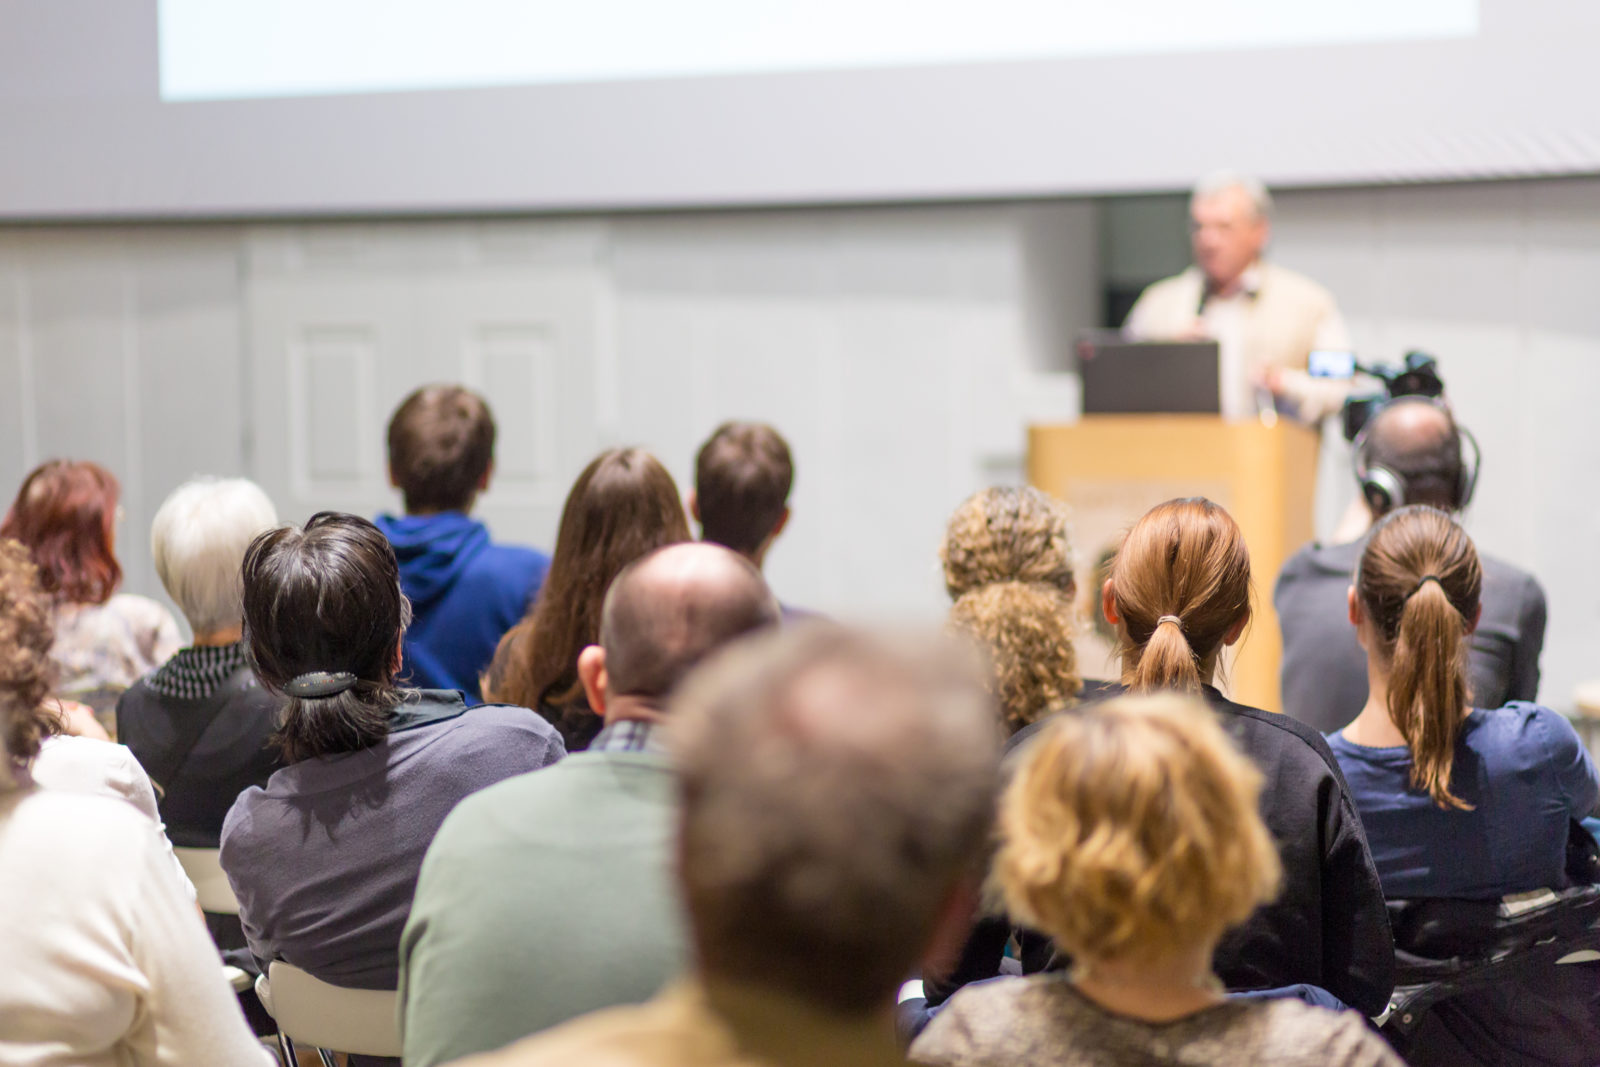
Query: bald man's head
point(1417, 439)
point(666, 611)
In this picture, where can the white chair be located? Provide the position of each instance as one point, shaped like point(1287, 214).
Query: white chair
point(214, 894)
point(204, 869)
point(328, 1017)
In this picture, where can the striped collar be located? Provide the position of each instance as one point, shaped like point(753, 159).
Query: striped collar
point(196, 672)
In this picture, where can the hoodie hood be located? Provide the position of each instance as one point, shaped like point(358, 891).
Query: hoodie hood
point(433, 551)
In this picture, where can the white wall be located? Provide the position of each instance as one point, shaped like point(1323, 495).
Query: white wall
point(902, 351)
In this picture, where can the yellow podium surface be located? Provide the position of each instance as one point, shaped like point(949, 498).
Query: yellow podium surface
point(1110, 469)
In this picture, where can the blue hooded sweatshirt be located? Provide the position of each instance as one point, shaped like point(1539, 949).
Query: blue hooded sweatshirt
point(465, 594)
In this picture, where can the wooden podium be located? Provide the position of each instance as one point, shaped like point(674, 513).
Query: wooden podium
point(1113, 468)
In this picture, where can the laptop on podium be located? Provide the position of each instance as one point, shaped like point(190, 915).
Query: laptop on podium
point(1122, 377)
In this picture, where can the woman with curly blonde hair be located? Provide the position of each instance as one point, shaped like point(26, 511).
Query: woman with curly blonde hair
point(1008, 566)
point(1130, 834)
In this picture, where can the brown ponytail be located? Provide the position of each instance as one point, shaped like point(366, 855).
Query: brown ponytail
point(1180, 582)
point(1419, 582)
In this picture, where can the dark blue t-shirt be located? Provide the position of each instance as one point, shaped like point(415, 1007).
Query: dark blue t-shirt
point(1526, 773)
point(465, 593)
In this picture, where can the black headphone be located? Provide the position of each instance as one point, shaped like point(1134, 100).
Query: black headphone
point(1385, 489)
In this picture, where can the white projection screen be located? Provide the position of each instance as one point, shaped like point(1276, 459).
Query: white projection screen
point(219, 108)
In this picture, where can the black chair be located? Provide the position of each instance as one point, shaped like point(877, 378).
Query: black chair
point(1497, 982)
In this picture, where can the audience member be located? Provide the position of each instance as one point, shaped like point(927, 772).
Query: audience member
point(1008, 561)
point(836, 790)
point(550, 895)
point(623, 505)
point(1457, 801)
point(60, 761)
point(742, 477)
point(465, 591)
point(1130, 834)
point(201, 724)
point(66, 514)
point(1178, 594)
point(324, 860)
point(1462, 803)
point(106, 961)
point(1410, 453)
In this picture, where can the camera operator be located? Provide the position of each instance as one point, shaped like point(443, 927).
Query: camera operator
point(1409, 451)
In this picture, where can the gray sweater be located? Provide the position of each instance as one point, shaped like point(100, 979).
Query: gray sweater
point(1325, 671)
point(1043, 1021)
point(324, 860)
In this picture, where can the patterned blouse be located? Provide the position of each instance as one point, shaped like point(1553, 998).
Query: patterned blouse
point(101, 649)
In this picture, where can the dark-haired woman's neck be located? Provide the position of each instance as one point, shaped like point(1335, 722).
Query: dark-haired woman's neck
point(1374, 727)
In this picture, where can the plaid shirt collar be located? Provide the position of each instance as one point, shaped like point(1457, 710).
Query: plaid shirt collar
point(629, 735)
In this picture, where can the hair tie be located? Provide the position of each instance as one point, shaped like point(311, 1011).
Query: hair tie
point(314, 684)
point(1167, 618)
point(1426, 578)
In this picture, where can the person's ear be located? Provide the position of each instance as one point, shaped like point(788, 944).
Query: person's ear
point(394, 483)
point(951, 929)
point(399, 657)
point(777, 527)
point(1477, 617)
point(1353, 603)
point(694, 505)
point(592, 673)
point(488, 473)
point(1108, 603)
point(1236, 631)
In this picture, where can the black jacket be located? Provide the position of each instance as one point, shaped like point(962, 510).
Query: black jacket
point(1328, 927)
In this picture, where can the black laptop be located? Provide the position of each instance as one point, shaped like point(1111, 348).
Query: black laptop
point(1122, 377)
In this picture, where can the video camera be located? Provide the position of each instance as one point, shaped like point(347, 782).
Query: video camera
point(1417, 376)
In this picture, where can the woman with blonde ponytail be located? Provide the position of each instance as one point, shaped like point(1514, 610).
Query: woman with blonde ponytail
point(1457, 802)
point(1178, 595)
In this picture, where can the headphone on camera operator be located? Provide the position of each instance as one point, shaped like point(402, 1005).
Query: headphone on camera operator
point(1388, 486)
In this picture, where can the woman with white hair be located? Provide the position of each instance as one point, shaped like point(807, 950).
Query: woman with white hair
point(201, 724)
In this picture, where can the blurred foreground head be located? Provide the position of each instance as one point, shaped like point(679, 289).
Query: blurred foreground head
point(837, 790)
point(1131, 830)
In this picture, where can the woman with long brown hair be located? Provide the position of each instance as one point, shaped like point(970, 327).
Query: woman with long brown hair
point(1178, 595)
point(622, 506)
point(65, 514)
point(1458, 802)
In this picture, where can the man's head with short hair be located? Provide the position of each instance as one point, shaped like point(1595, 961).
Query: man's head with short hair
point(837, 788)
point(664, 613)
point(1417, 439)
point(1230, 219)
point(441, 449)
point(742, 477)
point(198, 538)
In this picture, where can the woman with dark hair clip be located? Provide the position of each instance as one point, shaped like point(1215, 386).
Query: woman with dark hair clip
point(1458, 802)
point(1178, 595)
point(66, 514)
point(325, 859)
point(623, 506)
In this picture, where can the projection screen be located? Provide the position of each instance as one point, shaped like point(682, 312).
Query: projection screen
point(215, 108)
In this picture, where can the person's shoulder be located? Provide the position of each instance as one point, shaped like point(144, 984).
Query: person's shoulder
point(1315, 560)
point(1504, 574)
point(1284, 735)
point(506, 719)
point(84, 827)
point(628, 1036)
point(1521, 724)
point(1292, 284)
point(995, 1013)
point(1291, 1032)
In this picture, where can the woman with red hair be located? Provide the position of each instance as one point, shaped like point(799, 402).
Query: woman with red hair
point(65, 515)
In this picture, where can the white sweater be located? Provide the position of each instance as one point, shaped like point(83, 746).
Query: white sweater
point(106, 961)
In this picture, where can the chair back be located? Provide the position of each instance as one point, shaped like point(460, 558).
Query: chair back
point(312, 1012)
point(211, 887)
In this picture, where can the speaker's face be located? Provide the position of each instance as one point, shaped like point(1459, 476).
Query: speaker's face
point(1226, 235)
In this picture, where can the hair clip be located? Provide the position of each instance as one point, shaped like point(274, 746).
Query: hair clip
point(315, 684)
